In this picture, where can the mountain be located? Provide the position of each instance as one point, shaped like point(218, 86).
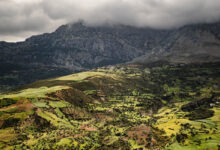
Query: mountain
point(152, 106)
point(77, 47)
point(189, 44)
point(163, 94)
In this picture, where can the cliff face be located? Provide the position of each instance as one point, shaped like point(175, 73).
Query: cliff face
point(77, 47)
point(189, 44)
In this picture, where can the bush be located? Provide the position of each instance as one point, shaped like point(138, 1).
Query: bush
point(6, 102)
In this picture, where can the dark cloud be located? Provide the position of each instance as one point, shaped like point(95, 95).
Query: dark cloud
point(21, 18)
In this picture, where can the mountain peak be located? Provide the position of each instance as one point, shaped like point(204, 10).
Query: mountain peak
point(77, 47)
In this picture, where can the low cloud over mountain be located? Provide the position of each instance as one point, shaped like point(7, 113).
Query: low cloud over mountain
point(22, 18)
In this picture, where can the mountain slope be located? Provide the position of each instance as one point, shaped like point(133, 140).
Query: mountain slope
point(153, 106)
point(189, 44)
point(77, 47)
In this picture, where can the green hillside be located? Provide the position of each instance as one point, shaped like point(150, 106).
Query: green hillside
point(154, 106)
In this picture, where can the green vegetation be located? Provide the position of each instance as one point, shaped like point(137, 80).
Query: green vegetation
point(154, 106)
point(33, 92)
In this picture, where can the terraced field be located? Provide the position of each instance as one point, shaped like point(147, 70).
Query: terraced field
point(134, 106)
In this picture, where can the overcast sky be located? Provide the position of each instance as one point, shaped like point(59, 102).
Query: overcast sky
point(20, 19)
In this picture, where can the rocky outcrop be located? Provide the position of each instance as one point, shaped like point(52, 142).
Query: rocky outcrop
point(189, 44)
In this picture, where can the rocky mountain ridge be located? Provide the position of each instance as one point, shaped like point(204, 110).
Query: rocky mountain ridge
point(76, 47)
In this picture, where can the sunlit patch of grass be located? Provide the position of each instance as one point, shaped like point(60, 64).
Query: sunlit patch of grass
point(110, 140)
point(33, 92)
point(59, 113)
point(80, 76)
point(205, 145)
point(53, 119)
point(216, 117)
point(163, 111)
point(21, 115)
point(207, 130)
point(9, 109)
point(170, 126)
point(89, 92)
point(40, 104)
point(177, 146)
point(134, 144)
point(206, 92)
point(35, 143)
point(171, 119)
point(66, 142)
point(59, 104)
point(6, 135)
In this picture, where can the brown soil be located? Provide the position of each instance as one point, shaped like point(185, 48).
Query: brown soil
point(140, 134)
point(87, 128)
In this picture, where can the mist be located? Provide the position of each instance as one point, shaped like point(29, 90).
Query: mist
point(20, 19)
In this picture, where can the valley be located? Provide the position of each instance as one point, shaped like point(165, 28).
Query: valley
point(158, 105)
